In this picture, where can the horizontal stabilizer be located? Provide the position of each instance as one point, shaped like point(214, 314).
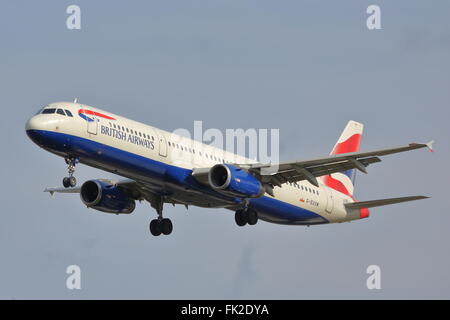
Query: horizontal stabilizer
point(381, 202)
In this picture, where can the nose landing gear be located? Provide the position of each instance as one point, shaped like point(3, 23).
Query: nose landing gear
point(70, 181)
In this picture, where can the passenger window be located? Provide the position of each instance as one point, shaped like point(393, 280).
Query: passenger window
point(48, 111)
point(68, 113)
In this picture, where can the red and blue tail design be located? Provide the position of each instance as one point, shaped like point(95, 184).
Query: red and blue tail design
point(349, 141)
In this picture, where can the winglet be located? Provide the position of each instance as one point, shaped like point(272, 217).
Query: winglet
point(430, 145)
point(52, 192)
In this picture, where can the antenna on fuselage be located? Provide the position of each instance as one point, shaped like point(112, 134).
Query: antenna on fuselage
point(75, 100)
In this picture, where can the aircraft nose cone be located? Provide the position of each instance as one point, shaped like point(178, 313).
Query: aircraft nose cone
point(32, 124)
point(34, 128)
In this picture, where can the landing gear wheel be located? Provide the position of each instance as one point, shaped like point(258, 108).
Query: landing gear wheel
point(66, 182)
point(155, 227)
point(160, 225)
point(166, 226)
point(240, 218)
point(72, 181)
point(252, 217)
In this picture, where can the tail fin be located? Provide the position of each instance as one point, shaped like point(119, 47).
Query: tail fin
point(349, 141)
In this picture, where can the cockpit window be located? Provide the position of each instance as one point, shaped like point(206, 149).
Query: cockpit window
point(48, 111)
point(61, 112)
point(68, 113)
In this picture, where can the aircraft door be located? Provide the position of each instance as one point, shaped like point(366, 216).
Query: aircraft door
point(162, 145)
point(92, 126)
point(330, 200)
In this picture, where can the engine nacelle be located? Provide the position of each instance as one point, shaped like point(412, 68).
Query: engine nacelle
point(106, 197)
point(234, 181)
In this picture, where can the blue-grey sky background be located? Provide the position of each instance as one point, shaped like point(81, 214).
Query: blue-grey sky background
point(305, 67)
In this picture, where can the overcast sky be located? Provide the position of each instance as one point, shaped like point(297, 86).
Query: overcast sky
point(305, 67)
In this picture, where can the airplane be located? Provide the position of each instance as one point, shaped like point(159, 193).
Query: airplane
point(164, 168)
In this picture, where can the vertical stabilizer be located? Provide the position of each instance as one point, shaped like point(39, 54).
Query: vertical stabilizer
point(349, 141)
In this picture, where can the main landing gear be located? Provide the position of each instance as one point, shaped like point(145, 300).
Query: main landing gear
point(244, 216)
point(160, 225)
point(70, 181)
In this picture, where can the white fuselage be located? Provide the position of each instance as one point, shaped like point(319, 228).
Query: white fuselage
point(163, 147)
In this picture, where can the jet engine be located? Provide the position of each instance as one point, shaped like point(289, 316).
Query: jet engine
point(106, 197)
point(234, 181)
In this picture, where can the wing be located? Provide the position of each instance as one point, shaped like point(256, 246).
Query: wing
point(128, 185)
point(155, 194)
point(133, 189)
point(295, 171)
